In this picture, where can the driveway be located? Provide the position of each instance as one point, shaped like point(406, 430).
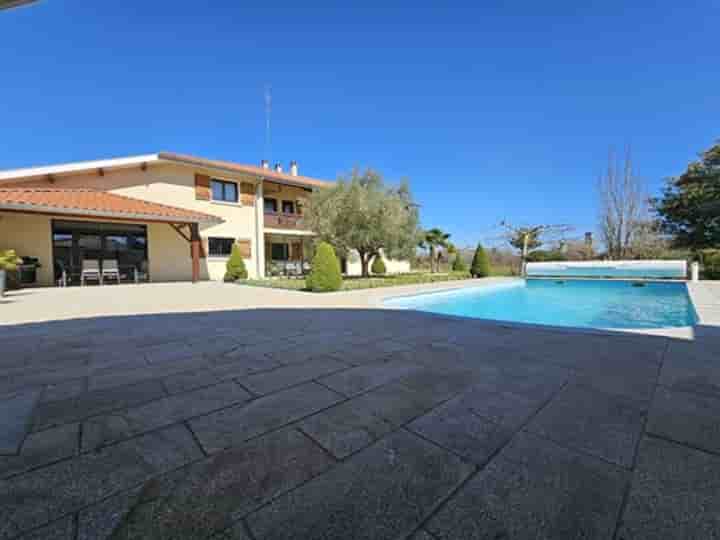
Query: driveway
point(330, 422)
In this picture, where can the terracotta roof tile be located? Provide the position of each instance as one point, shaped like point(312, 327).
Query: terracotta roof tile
point(97, 204)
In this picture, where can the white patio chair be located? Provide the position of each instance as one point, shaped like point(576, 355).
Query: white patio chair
point(110, 270)
point(90, 270)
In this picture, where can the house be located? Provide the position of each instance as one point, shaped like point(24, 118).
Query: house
point(163, 217)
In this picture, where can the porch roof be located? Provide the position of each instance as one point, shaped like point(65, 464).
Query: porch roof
point(94, 203)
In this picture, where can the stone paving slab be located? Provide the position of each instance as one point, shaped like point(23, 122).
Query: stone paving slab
point(360, 379)
point(62, 529)
point(674, 494)
point(590, 421)
point(105, 429)
point(346, 428)
point(686, 418)
point(212, 494)
point(286, 376)
point(535, 489)
point(43, 495)
point(237, 424)
point(381, 492)
point(42, 448)
point(16, 414)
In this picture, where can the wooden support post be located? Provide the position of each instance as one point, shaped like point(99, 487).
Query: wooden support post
point(195, 250)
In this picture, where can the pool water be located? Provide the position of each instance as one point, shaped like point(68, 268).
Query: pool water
point(579, 303)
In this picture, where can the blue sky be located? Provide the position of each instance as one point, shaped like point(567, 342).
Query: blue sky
point(492, 109)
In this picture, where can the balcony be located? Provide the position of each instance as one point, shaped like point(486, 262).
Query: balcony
point(278, 220)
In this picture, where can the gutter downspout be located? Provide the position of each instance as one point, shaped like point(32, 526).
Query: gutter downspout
point(259, 230)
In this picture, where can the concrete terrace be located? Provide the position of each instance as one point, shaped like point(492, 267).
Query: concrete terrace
point(337, 420)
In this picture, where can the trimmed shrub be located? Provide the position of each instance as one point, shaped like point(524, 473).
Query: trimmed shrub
point(480, 264)
point(458, 264)
point(710, 260)
point(235, 267)
point(325, 275)
point(378, 266)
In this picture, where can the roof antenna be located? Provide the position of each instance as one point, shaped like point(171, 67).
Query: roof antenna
point(268, 110)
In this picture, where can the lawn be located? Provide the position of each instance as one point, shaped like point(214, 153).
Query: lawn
point(353, 283)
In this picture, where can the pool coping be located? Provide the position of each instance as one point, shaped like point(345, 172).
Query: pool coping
point(679, 332)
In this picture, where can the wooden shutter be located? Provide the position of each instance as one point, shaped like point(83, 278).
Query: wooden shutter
point(245, 248)
point(202, 187)
point(247, 193)
point(296, 251)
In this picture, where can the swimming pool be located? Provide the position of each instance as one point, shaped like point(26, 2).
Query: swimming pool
point(578, 303)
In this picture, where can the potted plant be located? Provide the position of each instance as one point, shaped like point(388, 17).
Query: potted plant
point(8, 262)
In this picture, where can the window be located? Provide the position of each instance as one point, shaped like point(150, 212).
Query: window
point(279, 252)
point(288, 207)
point(270, 205)
point(220, 247)
point(224, 191)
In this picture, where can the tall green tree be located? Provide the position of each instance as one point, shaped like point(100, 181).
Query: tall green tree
point(361, 214)
point(480, 266)
point(432, 240)
point(689, 208)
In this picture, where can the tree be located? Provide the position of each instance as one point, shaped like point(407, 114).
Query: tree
point(433, 239)
point(623, 206)
point(480, 264)
point(360, 213)
point(235, 266)
point(378, 266)
point(458, 263)
point(689, 208)
point(525, 238)
point(325, 275)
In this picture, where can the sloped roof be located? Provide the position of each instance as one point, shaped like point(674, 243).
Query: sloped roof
point(28, 173)
point(94, 203)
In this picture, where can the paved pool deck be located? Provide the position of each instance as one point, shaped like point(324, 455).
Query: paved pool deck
point(190, 412)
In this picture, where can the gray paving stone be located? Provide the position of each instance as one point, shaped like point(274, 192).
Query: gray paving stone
point(46, 494)
point(582, 418)
point(366, 377)
point(236, 424)
point(211, 494)
point(168, 352)
point(475, 424)
point(16, 414)
point(64, 390)
point(422, 535)
point(41, 448)
point(98, 521)
point(62, 529)
point(535, 489)
point(95, 402)
point(236, 532)
point(692, 367)
point(283, 377)
point(367, 352)
point(397, 403)
point(381, 492)
point(674, 494)
point(686, 418)
point(190, 380)
point(346, 428)
point(105, 429)
point(116, 376)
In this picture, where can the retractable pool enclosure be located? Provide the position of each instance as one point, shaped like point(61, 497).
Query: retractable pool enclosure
point(609, 269)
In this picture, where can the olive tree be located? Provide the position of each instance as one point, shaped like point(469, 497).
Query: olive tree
point(361, 214)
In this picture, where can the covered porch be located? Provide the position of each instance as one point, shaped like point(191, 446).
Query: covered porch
point(288, 255)
point(76, 234)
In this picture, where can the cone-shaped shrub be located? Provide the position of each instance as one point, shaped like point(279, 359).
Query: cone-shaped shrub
point(480, 263)
point(235, 267)
point(459, 264)
point(325, 275)
point(378, 266)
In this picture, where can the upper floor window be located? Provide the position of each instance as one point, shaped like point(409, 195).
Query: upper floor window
point(220, 247)
point(224, 191)
point(270, 205)
point(288, 207)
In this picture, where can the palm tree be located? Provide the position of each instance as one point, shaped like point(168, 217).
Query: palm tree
point(432, 240)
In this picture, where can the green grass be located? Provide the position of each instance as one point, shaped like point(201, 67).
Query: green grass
point(354, 283)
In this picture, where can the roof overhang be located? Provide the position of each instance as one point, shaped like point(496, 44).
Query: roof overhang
point(146, 160)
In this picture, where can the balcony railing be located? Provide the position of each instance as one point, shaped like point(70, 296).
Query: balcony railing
point(277, 220)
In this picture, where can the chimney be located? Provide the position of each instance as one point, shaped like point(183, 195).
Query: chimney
point(278, 167)
point(264, 164)
point(293, 168)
